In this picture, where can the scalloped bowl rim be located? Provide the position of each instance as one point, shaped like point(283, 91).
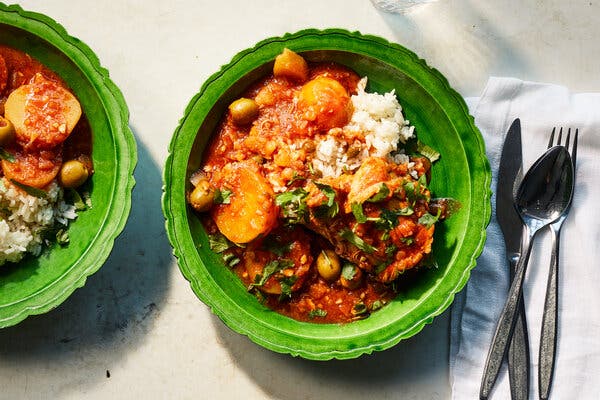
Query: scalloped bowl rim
point(178, 231)
point(117, 115)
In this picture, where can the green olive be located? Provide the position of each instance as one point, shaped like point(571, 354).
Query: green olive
point(73, 173)
point(7, 131)
point(202, 197)
point(243, 111)
point(351, 277)
point(328, 265)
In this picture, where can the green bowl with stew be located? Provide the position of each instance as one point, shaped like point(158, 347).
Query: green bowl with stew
point(38, 284)
point(441, 120)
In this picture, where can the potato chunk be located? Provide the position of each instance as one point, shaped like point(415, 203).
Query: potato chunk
point(291, 65)
point(326, 103)
point(36, 169)
point(251, 210)
point(43, 112)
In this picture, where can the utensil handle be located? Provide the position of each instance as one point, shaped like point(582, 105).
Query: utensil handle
point(506, 323)
point(518, 353)
point(549, 336)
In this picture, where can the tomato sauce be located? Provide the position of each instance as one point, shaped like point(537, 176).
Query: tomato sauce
point(45, 139)
point(281, 262)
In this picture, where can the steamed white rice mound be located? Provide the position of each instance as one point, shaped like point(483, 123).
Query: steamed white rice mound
point(24, 218)
point(378, 120)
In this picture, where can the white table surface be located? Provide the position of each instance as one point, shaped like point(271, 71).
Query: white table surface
point(136, 330)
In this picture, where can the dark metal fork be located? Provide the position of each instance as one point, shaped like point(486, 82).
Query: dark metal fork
point(548, 338)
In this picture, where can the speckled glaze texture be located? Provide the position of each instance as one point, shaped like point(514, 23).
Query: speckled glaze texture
point(39, 284)
point(441, 119)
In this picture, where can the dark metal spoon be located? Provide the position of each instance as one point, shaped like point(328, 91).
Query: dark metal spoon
point(543, 196)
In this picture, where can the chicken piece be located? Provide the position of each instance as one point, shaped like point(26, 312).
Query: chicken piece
point(389, 239)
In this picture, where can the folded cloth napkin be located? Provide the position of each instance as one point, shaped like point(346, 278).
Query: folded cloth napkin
point(477, 308)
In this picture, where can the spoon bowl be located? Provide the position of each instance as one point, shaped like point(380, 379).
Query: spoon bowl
point(543, 196)
point(547, 188)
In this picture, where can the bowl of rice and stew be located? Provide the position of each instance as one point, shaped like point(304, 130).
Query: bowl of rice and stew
point(66, 163)
point(326, 194)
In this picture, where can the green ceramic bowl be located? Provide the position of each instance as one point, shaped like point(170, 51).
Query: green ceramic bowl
point(441, 119)
point(37, 285)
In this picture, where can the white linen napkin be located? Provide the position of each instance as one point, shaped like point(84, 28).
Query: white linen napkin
point(476, 309)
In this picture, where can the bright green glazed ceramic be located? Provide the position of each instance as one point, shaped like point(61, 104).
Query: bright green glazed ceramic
point(441, 119)
point(37, 285)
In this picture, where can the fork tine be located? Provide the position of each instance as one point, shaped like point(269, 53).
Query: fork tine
point(568, 138)
point(574, 151)
point(551, 137)
point(559, 140)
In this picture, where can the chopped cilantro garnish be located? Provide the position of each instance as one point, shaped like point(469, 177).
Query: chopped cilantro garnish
point(269, 270)
point(218, 243)
point(5, 155)
point(407, 240)
point(377, 304)
point(428, 220)
point(360, 309)
point(286, 286)
point(222, 196)
point(382, 194)
point(30, 190)
point(357, 210)
point(296, 177)
point(357, 241)
point(348, 271)
point(276, 247)
point(388, 219)
point(330, 208)
point(317, 312)
point(293, 205)
point(231, 259)
point(414, 190)
point(390, 250)
point(62, 237)
point(76, 199)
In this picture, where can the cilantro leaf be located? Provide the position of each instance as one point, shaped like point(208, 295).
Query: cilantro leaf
point(5, 155)
point(382, 194)
point(269, 270)
point(286, 286)
point(428, 220)
point(377, 304)
point(231, 259)
point(388, 219)
point(293, 205)
point(62, 237)
point(276, 247)
point(357, 210)
point(218, 243)
point(222, 196)
point(330, 208)
point(414, 190)
point(360, 309)
point(348, 271)
point(317, 312)
point(76, 199)
point(30, 190)
point(357, 241)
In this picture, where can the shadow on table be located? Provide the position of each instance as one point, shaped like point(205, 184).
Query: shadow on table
point(110, 316)
point(418, 363)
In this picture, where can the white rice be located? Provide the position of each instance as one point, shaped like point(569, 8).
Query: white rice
point(378, 120)
point(24, 218)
